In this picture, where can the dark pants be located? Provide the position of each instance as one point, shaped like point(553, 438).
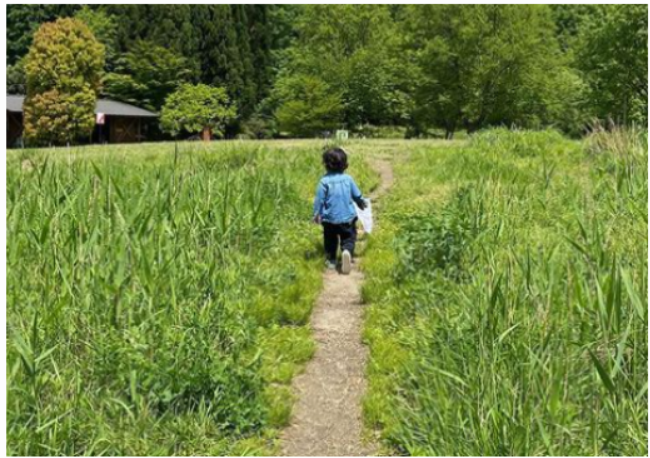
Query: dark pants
point(347, 232)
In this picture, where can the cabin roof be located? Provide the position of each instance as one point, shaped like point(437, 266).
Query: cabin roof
point(105, 106)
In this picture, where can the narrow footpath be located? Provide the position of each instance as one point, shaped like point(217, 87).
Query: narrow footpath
point(327, 417)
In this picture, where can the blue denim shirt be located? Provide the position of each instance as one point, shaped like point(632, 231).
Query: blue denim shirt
point(334, 196)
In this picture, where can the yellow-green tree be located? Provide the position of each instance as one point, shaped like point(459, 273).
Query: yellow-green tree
point(63, 72)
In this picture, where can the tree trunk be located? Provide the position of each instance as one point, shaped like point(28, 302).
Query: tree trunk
point(206, 134)
point(473, 126)
point(450, 129)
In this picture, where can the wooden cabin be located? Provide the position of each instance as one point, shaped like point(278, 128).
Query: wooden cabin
point(116, 122)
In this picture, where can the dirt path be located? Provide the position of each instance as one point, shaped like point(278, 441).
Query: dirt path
point(327, 418)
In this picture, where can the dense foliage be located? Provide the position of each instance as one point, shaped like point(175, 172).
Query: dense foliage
point(63, 70)
point(59, 117)
point(612, 55)
point(146, 75)
point(481, 65)
point(193, 108)
point(509, 307)
point(350, 50)
point(309, 105)
point(429, 68)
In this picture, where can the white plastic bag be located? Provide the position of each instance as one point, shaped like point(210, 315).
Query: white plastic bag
point(365, 216)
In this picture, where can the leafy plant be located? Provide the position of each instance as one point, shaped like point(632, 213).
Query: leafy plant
point(146, 75)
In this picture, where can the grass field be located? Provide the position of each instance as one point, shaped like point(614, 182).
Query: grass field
point(157, 299)
point(509, 312)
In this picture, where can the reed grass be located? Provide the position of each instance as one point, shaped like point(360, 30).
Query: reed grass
point(157, 297)
point(509, 313)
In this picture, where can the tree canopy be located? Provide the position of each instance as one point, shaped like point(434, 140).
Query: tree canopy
point(193, 108)
point(612, 55)
point(146, 75)
point(481, 65)
point(308, 106)
point(431, 69)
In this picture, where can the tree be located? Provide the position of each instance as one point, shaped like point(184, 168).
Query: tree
point(612, 54)
point(166, 26)
point(225, 53)
point(261, 38)
point(63, 73)
point(16, 82)
point(307, 106)
point(24, 19)
point(146, 75)
point(58, 118)
point(483, 65)
point(247, 93)
point(104, 28)
point(352, 48)
point(196, 108)
point(569, 21)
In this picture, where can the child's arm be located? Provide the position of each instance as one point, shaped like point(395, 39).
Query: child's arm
point(319, 201)
point(356, 194)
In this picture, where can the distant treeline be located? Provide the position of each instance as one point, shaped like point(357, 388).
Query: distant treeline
point(301, 70)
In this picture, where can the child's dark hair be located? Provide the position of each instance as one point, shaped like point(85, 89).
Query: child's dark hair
point(335, 160)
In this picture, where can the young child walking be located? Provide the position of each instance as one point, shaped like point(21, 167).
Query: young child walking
point(334, 209)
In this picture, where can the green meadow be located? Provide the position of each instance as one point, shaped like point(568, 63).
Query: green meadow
point(158, 296)
point(508, 298)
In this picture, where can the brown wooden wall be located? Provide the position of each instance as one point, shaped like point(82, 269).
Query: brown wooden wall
point(124, 129)
point(118, 129)
point(14, 127)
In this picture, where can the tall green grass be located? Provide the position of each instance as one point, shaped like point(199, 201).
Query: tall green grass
point(157, 298)
point(509, 310)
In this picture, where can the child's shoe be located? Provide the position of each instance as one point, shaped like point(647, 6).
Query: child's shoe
point(330, 265)
point(346, 262)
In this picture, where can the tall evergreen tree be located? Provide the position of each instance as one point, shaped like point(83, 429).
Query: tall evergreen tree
point(167, 26)
point(217, 46)
point(22, 22)
point(247, 95)
point(261, 42)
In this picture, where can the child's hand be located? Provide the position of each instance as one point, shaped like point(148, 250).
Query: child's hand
point(316, 219)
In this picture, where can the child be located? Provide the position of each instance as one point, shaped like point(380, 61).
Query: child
point(333, 208)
